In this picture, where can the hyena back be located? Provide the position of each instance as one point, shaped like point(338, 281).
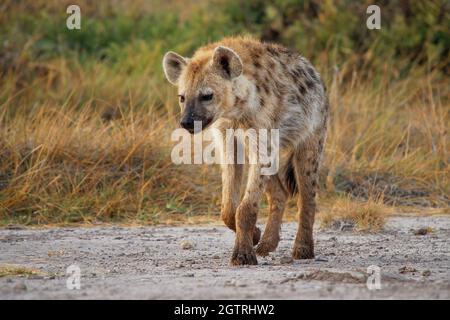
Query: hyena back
point(244, 83)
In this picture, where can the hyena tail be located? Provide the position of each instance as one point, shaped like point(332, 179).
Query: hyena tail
point(289, 179)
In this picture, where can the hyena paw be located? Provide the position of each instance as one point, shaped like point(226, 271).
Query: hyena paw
point(256, 236)
point(303, 252)
point(243, 257)
point(266, 246)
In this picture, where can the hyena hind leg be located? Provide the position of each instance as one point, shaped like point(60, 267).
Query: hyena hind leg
point(306, 170)
point(276, 197)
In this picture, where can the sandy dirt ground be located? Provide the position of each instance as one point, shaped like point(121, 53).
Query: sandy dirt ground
point(193, 263)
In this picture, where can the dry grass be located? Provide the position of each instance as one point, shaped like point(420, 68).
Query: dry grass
point(13, 270)
point(88, 141)
point(394, 128)
point(365, 216)
point(69, 158)
point(64, 161)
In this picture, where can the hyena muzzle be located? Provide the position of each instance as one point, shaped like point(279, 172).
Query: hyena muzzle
point(244, 83)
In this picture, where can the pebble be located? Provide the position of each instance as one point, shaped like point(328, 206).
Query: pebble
point(186, 244)
point(406, 269)
point(343, 225)
point(422, 231)
point(321, 259)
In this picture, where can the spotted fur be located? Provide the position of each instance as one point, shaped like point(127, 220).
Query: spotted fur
point(259, 85)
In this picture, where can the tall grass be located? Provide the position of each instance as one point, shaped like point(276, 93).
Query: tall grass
point(86, 116)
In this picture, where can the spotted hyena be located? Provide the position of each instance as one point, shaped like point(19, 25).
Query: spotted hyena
point(244, 83)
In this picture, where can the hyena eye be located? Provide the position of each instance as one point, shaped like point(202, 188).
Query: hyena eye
point(181, 98)
point(206, 97)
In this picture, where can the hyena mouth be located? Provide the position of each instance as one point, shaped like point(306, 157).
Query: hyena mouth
point(197, 125)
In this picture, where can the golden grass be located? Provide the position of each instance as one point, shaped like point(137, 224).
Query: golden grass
point(397, 127)
point(13, 270)
point(62, 162)
point(87, 142)
point(366, 216)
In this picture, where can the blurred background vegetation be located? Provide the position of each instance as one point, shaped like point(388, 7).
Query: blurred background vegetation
point(86, 115)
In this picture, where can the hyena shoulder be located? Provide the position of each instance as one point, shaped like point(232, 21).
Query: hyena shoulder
point(288, 90)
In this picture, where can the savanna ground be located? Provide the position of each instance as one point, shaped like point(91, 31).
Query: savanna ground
point(86, 118)
point(193, 263)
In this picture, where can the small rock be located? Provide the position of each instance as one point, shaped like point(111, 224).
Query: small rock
point(343, 225)
point(406, 269)
point(186, 245)
point(216, 256)
point(426, 273)
point(321, 259)
point(423, 231)
point(347, 226)
point(286, 260)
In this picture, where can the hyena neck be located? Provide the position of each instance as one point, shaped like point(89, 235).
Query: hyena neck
point(246, 103)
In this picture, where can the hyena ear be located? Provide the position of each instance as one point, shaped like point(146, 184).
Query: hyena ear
point(173, 64)
point(227, 62)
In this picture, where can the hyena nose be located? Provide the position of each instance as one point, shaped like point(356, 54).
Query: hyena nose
point(187, 124)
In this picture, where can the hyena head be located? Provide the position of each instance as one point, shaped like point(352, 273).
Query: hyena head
point(205, 84)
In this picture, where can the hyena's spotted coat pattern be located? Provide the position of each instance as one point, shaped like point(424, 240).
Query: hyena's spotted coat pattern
point(243, 83)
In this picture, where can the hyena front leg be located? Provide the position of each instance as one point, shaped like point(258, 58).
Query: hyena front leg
point(246, 215)
point(277, 197)
point(306, 167)
point(231, 189)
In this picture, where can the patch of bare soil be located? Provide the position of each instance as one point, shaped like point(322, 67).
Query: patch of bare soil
point(193, 263)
